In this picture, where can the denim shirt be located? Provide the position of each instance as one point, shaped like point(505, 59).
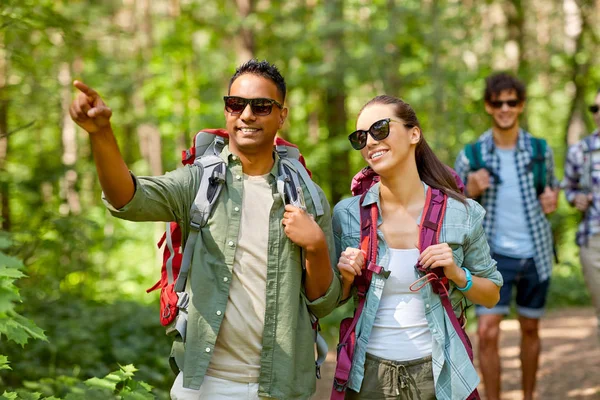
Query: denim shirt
point(454, 375)
point(287, 356)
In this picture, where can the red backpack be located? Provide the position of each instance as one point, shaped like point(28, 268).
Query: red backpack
point(429, 233)
point(207, 146)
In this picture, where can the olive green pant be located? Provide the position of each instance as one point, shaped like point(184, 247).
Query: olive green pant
point(399, 380)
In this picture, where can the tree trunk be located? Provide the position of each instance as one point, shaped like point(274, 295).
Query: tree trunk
point(245, 38)
point(149, 136)
point(579, 70)
point(335, 105)
point(4, 141)
point(71, 204)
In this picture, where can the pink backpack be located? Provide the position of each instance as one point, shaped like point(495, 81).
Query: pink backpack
point(429, 233)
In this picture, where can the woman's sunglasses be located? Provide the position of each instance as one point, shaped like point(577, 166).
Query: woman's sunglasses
point(260, 107)
point(378, 131)
point(594, 108)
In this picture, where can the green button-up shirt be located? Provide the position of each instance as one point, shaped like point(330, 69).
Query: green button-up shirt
point(287, 357)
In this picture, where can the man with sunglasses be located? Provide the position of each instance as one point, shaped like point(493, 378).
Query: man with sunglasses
point(260, 264)
point(582, 189)
point(516, 226)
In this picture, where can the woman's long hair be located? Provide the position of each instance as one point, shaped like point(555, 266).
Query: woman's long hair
point(431, 170)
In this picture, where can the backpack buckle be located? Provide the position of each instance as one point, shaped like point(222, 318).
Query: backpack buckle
point(339, 387)
point(183, 300)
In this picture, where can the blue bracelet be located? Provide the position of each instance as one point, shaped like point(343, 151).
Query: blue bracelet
point(469, 280)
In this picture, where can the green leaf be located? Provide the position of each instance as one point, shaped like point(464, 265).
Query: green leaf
point(8, 396)
point(10, 272)
point(101, 383)
point(10, 262)
point(4, 363)
point(19, 329)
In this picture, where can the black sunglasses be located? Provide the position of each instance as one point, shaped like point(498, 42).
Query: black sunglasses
point(594, 108)
point(236, 105)
point(378, 131)
point(500, 103)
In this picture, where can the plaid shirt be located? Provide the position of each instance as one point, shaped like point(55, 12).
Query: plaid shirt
point(536, 220)
point(582, 175)
point(453, 372)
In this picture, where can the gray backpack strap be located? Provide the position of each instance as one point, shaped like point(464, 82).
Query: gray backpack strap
point(290, 157)
point(321, 344)
point(169, 263)
point(310, 185)
point(213, 177)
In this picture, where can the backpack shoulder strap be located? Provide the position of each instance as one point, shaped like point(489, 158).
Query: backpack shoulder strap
point(431, 223)
point(293, 169)
point(212, 171)
point(538, 163)
point(368, 244)
point(473, 153)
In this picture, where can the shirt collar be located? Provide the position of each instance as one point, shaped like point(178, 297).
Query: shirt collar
point(233, 160)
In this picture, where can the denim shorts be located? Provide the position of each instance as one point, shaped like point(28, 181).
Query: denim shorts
point(531, 293)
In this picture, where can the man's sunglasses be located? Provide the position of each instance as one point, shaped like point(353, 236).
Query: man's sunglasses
point(500, 103)
point(260, 107)
point(594, 108)
point(378, 131)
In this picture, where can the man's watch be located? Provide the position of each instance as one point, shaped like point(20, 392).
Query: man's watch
point(469, 278)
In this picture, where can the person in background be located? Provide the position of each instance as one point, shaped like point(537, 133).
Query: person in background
point(582, 189)
point(516, 225)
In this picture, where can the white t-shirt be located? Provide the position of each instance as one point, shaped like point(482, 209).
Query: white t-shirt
point(400, 331)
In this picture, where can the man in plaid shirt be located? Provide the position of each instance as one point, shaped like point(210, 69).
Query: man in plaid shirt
point(516, 226)
point(582, 188)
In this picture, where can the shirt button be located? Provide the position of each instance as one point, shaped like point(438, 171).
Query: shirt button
point(225, 279)
point(434, 331)
point(208, 349)
point(426, 305)
point(239, 178)
point(234, 158)
point(236, 209)
point(219, 312)
point(230, 244)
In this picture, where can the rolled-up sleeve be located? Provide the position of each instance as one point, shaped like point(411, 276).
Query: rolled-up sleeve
point(476, 249)
point(573, 167)
point(159, 198)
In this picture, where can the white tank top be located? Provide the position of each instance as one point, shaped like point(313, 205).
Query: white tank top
point(400, 331)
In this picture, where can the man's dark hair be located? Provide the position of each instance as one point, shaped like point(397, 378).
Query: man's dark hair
point(497, 83)
point(263, 69)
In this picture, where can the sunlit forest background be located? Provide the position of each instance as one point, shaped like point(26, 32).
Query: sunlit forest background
point(72, 279)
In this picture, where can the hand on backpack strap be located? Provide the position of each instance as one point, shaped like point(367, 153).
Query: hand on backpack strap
point(302, 229)
point(478, 182)
point(350, 265)
point(440, 256)
point(549, 200)
point(88, 110)
point(582, 201)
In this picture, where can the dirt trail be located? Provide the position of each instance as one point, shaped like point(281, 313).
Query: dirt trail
point(569, 364)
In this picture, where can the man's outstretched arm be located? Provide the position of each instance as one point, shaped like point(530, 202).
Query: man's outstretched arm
point(89, 111)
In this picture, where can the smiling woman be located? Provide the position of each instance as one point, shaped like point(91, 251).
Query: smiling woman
point(407, 344)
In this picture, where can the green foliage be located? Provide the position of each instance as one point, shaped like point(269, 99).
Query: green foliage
point(118, 385)
point(167, 66)
point(13, 326)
